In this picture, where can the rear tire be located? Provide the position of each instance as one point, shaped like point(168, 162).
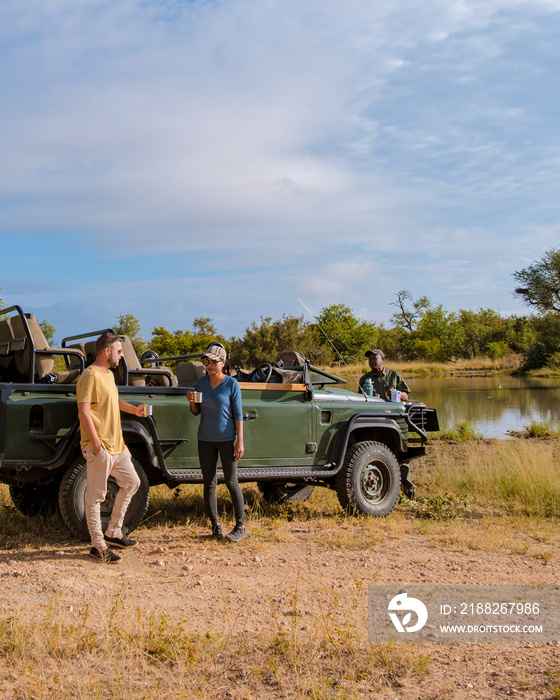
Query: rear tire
point(370, 480)
point(285, 493)
point(36, 499)
point(72, 500)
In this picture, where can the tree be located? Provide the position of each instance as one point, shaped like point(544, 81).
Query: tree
point(408, 318)
point(543, 350)
point(128, 324)
point(520, 332)
point(438, 336)
point(168, 344)
point(264, 341)
point(204, 326)
point(395, 342)
point(48, 331)
point(481, 329)
point(348, 336)
point(540, 282)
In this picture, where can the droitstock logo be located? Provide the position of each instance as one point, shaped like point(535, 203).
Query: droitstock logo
point(403, 603)
point(468, 613)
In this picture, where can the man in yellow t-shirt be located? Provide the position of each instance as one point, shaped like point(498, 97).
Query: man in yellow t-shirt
point(103, 447)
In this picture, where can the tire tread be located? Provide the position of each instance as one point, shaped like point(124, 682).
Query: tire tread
point(78, 526)
point(344, 483)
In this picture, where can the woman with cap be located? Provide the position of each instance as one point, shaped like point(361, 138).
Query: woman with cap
point(220, 434)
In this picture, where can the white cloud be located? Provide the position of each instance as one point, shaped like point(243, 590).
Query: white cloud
point(402, 142)
point(339, 280)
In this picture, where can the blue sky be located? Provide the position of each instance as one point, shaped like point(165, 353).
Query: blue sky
point(174, 159)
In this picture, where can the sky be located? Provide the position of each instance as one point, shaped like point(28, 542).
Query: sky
point(231, 159)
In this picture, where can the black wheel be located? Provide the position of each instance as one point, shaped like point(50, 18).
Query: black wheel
point(72, 500)
point(36, 499)
point(262, 373)
point(370, 480)
point(284, 493)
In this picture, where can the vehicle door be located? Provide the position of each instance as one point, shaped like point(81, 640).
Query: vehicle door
point(278, 424)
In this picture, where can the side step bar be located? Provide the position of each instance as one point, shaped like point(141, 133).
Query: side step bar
point(303, 474)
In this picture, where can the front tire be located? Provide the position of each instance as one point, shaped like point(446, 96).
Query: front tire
point(285, 493)
point(370, 480)
point(72, 500)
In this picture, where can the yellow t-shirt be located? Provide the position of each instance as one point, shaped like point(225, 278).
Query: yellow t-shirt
point(98, 388)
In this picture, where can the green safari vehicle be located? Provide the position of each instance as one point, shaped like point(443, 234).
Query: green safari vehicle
point(302, 429)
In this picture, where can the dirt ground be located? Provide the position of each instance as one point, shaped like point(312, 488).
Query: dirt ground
point(317, 571)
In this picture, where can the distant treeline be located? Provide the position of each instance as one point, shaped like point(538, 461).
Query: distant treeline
point(419, 330)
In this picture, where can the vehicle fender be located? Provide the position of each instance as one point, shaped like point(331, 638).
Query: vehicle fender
point(136, 433)
point(5, 394)
point(361, 421)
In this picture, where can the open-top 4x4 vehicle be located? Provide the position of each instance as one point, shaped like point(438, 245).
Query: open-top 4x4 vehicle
point(302, 429)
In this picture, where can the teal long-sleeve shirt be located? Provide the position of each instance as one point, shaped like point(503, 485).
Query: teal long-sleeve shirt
point(219, 410)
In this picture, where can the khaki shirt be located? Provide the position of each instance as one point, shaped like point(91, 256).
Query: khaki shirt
point(98, 388)
point(387, 380)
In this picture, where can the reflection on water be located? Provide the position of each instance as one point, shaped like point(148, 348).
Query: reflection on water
point(493, 405)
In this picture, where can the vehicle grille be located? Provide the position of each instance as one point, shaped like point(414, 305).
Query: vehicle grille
point(425, 418)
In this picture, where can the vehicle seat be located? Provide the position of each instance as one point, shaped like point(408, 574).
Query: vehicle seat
point(44, 362)
point(138, 375)
point(6, 357)
point(189, 372)
point(291, 358)
point(6, 336)
point(87, 350)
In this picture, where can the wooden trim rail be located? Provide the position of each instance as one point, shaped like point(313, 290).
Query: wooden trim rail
point(272, 386)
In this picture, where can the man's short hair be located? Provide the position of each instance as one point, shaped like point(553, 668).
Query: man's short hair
point(105, 340)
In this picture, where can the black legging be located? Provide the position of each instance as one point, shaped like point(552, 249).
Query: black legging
point(208, 457)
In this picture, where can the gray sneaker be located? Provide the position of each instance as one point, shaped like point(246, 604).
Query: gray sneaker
point(107, 556)
point(236, 535)
point(217, 533)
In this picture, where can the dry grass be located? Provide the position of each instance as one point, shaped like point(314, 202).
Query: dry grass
point(128, 654)
point(504, 477)
point(511, 363)
point(534, 537)
point(517, 476)
point(515, 490)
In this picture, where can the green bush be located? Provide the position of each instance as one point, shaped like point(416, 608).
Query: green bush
point(498, 349)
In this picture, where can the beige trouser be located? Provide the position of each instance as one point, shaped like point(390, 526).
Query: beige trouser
point(99, 468)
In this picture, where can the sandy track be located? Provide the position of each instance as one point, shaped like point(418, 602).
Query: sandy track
point(299, 574)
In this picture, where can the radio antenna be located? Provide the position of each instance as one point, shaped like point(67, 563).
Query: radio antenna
point(333, 346)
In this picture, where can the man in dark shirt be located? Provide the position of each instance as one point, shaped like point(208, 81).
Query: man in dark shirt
point(383, 380)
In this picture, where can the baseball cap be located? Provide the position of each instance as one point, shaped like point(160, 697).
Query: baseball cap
point(375, 351)
point(215, 352)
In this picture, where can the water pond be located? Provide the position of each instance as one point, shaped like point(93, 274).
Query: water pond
point(492, 405)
